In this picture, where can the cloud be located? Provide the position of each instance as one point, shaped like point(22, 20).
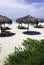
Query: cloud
point(33, 1)
point(18, 8)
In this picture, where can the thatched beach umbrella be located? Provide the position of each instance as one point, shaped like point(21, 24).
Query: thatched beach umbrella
point(23, 20)
point(5, 20)
point(27, 20)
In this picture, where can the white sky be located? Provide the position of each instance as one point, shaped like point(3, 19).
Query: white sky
point(17, 8)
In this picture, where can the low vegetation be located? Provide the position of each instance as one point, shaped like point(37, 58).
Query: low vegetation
point(32, 54)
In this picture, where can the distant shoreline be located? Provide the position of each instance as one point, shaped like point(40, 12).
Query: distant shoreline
point(14, 21)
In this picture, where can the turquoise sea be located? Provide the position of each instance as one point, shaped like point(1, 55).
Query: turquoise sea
point(14, 20)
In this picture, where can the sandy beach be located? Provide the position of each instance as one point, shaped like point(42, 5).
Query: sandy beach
point(7, 44)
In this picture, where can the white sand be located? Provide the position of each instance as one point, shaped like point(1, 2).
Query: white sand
point(7, 44)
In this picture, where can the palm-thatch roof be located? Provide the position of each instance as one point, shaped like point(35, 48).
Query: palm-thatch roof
point(40, 20)
point(4, 19)
point(27, 19)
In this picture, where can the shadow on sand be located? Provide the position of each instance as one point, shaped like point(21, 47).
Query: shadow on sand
point(7, 28)
point(31, 33)
point(8, 34)
point(22, 27)
point(38, 26)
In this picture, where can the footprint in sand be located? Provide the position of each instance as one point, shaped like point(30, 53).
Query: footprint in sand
point(0, 47)
point(0, 50)
point(0, 60)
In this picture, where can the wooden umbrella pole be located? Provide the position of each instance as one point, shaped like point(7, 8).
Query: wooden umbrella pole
point(28, 28)
point(4, 25)
point(21, 25)
point(1, 28)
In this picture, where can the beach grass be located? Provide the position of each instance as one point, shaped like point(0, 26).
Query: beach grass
point(31, 54)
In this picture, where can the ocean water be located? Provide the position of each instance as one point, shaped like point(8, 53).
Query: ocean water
point(13, 20)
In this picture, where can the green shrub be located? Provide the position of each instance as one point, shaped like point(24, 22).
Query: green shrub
point(32, 54)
